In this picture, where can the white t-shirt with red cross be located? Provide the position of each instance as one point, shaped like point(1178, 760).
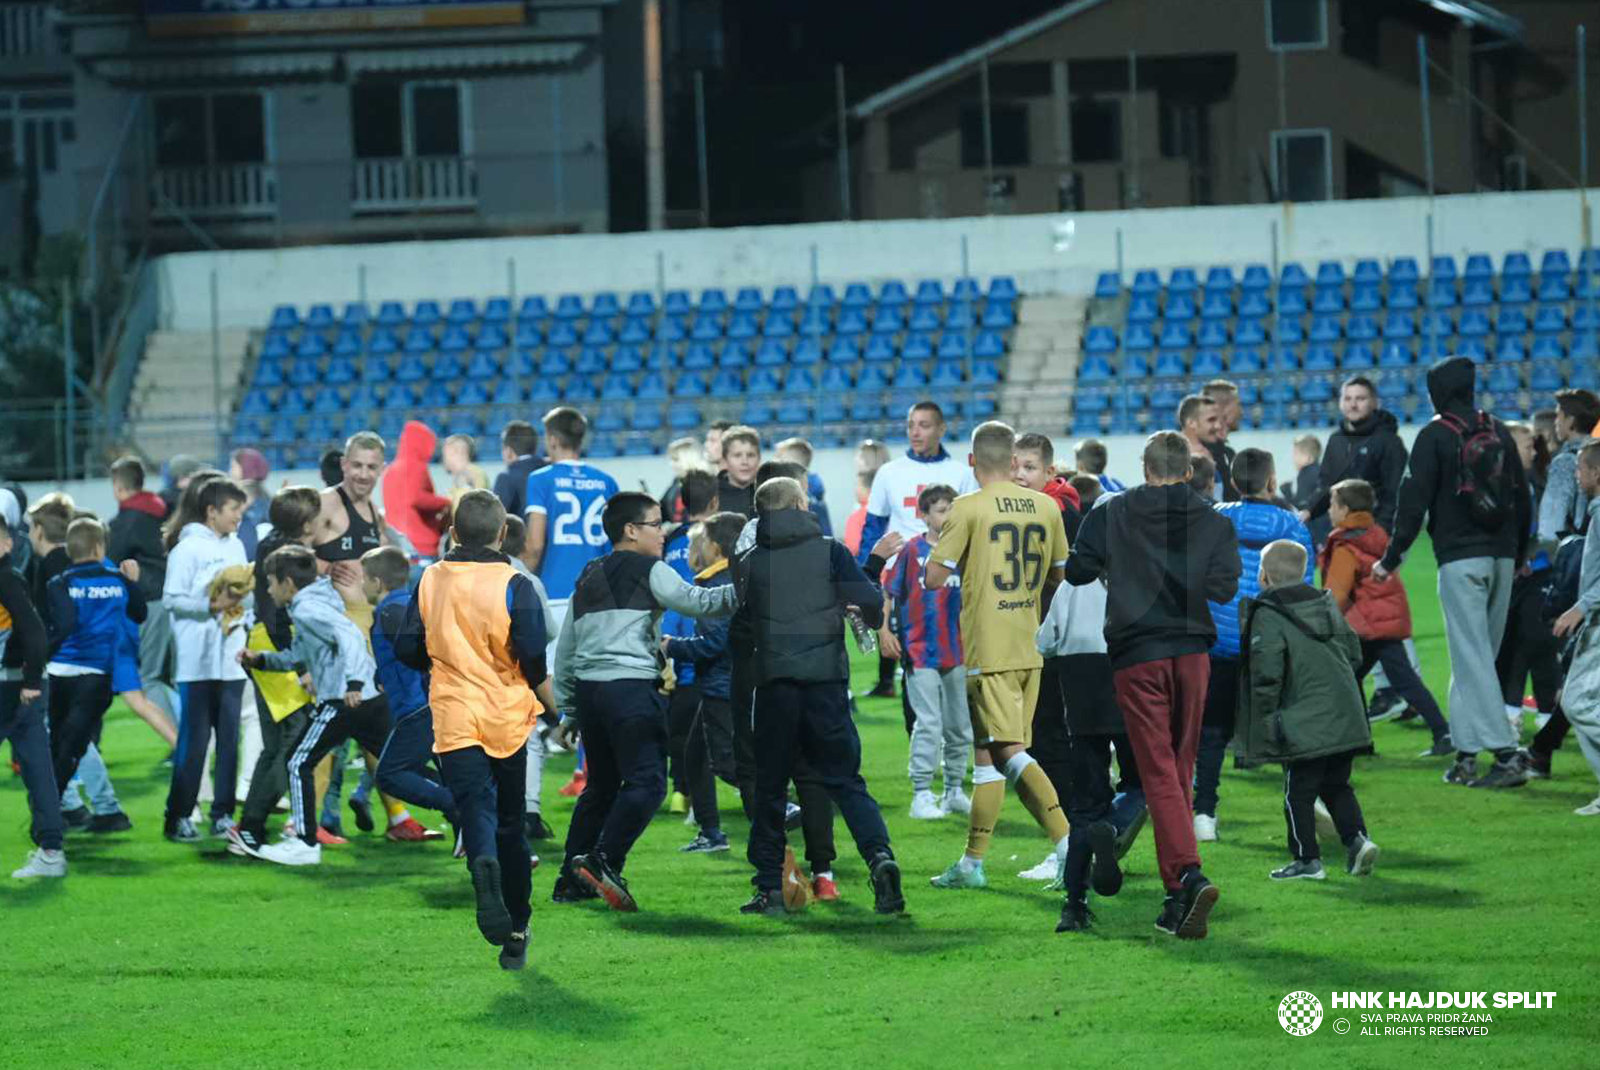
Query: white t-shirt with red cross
point(898, 482)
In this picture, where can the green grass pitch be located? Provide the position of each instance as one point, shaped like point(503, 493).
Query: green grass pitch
point(153, 954)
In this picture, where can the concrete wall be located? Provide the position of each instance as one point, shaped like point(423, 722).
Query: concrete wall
point(251, 282)
point(835, 466)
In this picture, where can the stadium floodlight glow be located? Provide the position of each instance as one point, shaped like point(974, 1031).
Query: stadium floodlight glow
point(1475, 13)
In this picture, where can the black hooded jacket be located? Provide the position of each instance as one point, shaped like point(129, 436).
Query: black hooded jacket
point(1430, 486)
point(1370, 450)
point(1165, 554)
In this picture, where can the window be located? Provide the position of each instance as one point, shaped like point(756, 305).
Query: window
point(1302, 165)
point(1297, 24)
point(1096, 131)
point(409, 119)
point(1008, 135)
point(198, 130)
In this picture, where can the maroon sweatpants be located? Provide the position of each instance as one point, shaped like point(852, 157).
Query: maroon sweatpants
point(1162, 702)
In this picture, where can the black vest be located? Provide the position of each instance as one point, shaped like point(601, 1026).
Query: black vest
point(792, 601)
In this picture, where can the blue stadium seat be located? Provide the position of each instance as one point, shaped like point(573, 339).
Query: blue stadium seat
point(923, 318)
point(742, 326)
point(311, 345)
point(646, 417)
point(930, 292)
point(284, 318)
point(1369, 271)
point(598, 333)
point(1255, 303)
point(1365, 297)
point(653, 385)
point(1257, 279)
point(770, 354)
point(377, 369)
point(953, 345)
point(698, 357)
point(1317, 389)
point(1550, 319)
point(1443, 268)
point(1175, 334)
point(1218, 305)
point(763, 381)
point(1584, 375)
point(1139, 337)
point(1291, 300)
point(609, 420)
point(605, 304)
point(472, 394)
point(1283, 359)
point(1208, 363)
point(748, 299)
point(616, 387)
point(917, 347)
point(562, 333)
point(1321, 358)
point(426, 314)
point(909, 375)
point(1554, 288)
point(1479, 266)
point(879, 348)
point(1244, 361)
point(1143, 309)
point(1510, 348)
point(1293, 275)
point(1291, 329)
point(1585, 318)
point(320, 317)
point(627, 359)
point(1554, 261)
point(712, 301)
point(1091, 400)
point(341, 370)
point(988, 345)
point(1503, 377)
point(873, 377)
point(1516, 265)
point(778, 324)
point(1328, 300)
point(815, 323)
point(1442, 293)
point(1395, 355)
point(807, 351)
point(682, 417)
point(591, 361)
point(890, 320)
point(544, 391)
point(947, 373)
point(528, 335)
point(1002, 288)
point(1399, 325)
point(533, 309)
point(1474, 323)
point(455, 340)
point(1212, 334)
point(837, 378)
point(784, 299)
point(1182, 281)
point(1146, 284)
point(707, 327)
point(1250, 332)
point(1219, 279)
point(1403, 298)
point(1515, 289)
point(463, 310)
point(1107, 286)
point(1327, 328)
point(569, 307)
point(893, 292)
point(1357, 355)
point(491, 336)
point(1134, 366)
point(1545, 375)
point(1181, 306)
point(1474, 348)
point(555, 362)
point(1477, 292)
point(677, 303)
point(438, 394)
point(446, 367)
point(960, 317)
point(497, 310)
point(821, 296)
point(1100, 339)
point(276, 345)
point(852, 320)
point(508, 392)
point(305, 371)
point(1511, 321)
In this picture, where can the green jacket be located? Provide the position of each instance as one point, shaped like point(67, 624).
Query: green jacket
point(1298, 694)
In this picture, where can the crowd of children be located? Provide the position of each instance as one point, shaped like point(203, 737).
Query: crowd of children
point(1097, 648)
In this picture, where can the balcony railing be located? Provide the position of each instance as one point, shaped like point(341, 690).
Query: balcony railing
point(412, 183)
point(25, 31)
point(232, 191)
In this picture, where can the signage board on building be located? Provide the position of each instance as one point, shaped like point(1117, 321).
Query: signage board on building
point(196, 18)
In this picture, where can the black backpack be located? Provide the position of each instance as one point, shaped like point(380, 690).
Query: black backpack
point(1563, 578)
point(1481, 471)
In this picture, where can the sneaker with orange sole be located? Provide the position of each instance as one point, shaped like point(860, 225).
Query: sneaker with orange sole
point(824, 890)
point(328, 839)
point(796, 888)
point(412, 831)
point(574, 786)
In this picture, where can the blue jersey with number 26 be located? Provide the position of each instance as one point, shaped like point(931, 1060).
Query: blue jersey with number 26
point(571, 495)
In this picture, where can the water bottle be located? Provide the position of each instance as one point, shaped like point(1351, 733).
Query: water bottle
point(866, 635)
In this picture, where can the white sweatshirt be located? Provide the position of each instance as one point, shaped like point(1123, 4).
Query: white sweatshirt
point(202, 652)
point(1076, 623)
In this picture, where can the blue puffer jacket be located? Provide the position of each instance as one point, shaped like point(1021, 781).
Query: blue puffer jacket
point(708, 649)
point(1256, 523)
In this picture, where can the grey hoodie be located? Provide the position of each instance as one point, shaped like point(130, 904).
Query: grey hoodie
point(328, 644)
point(1563, 506)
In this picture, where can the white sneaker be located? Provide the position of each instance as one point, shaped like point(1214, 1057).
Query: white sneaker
point(1514, 715)
point(688, 819)
point(1046, 871)
point(295, 852)
point(1205, 828)
point(955, 801)
point(1589, 810)
point(42, 863)
point(924, 807)
point(1325, 825)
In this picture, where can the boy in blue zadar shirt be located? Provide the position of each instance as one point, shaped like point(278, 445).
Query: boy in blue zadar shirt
point(88, 602)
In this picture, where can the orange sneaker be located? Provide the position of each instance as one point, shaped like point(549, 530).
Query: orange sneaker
point(328, 839)
point(575, 785)
point(796, 889)
point(412, 831)
point(823, 890)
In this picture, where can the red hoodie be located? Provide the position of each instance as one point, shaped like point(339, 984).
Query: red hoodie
point(409, 503)
point(1064, 493)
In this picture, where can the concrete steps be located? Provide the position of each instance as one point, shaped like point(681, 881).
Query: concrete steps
point(171, 408)
point(1046, 348)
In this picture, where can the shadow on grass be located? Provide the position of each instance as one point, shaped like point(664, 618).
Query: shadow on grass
point(540, 1004)
point(30, 893)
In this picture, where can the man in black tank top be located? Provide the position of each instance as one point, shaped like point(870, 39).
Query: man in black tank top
point(350, 523)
